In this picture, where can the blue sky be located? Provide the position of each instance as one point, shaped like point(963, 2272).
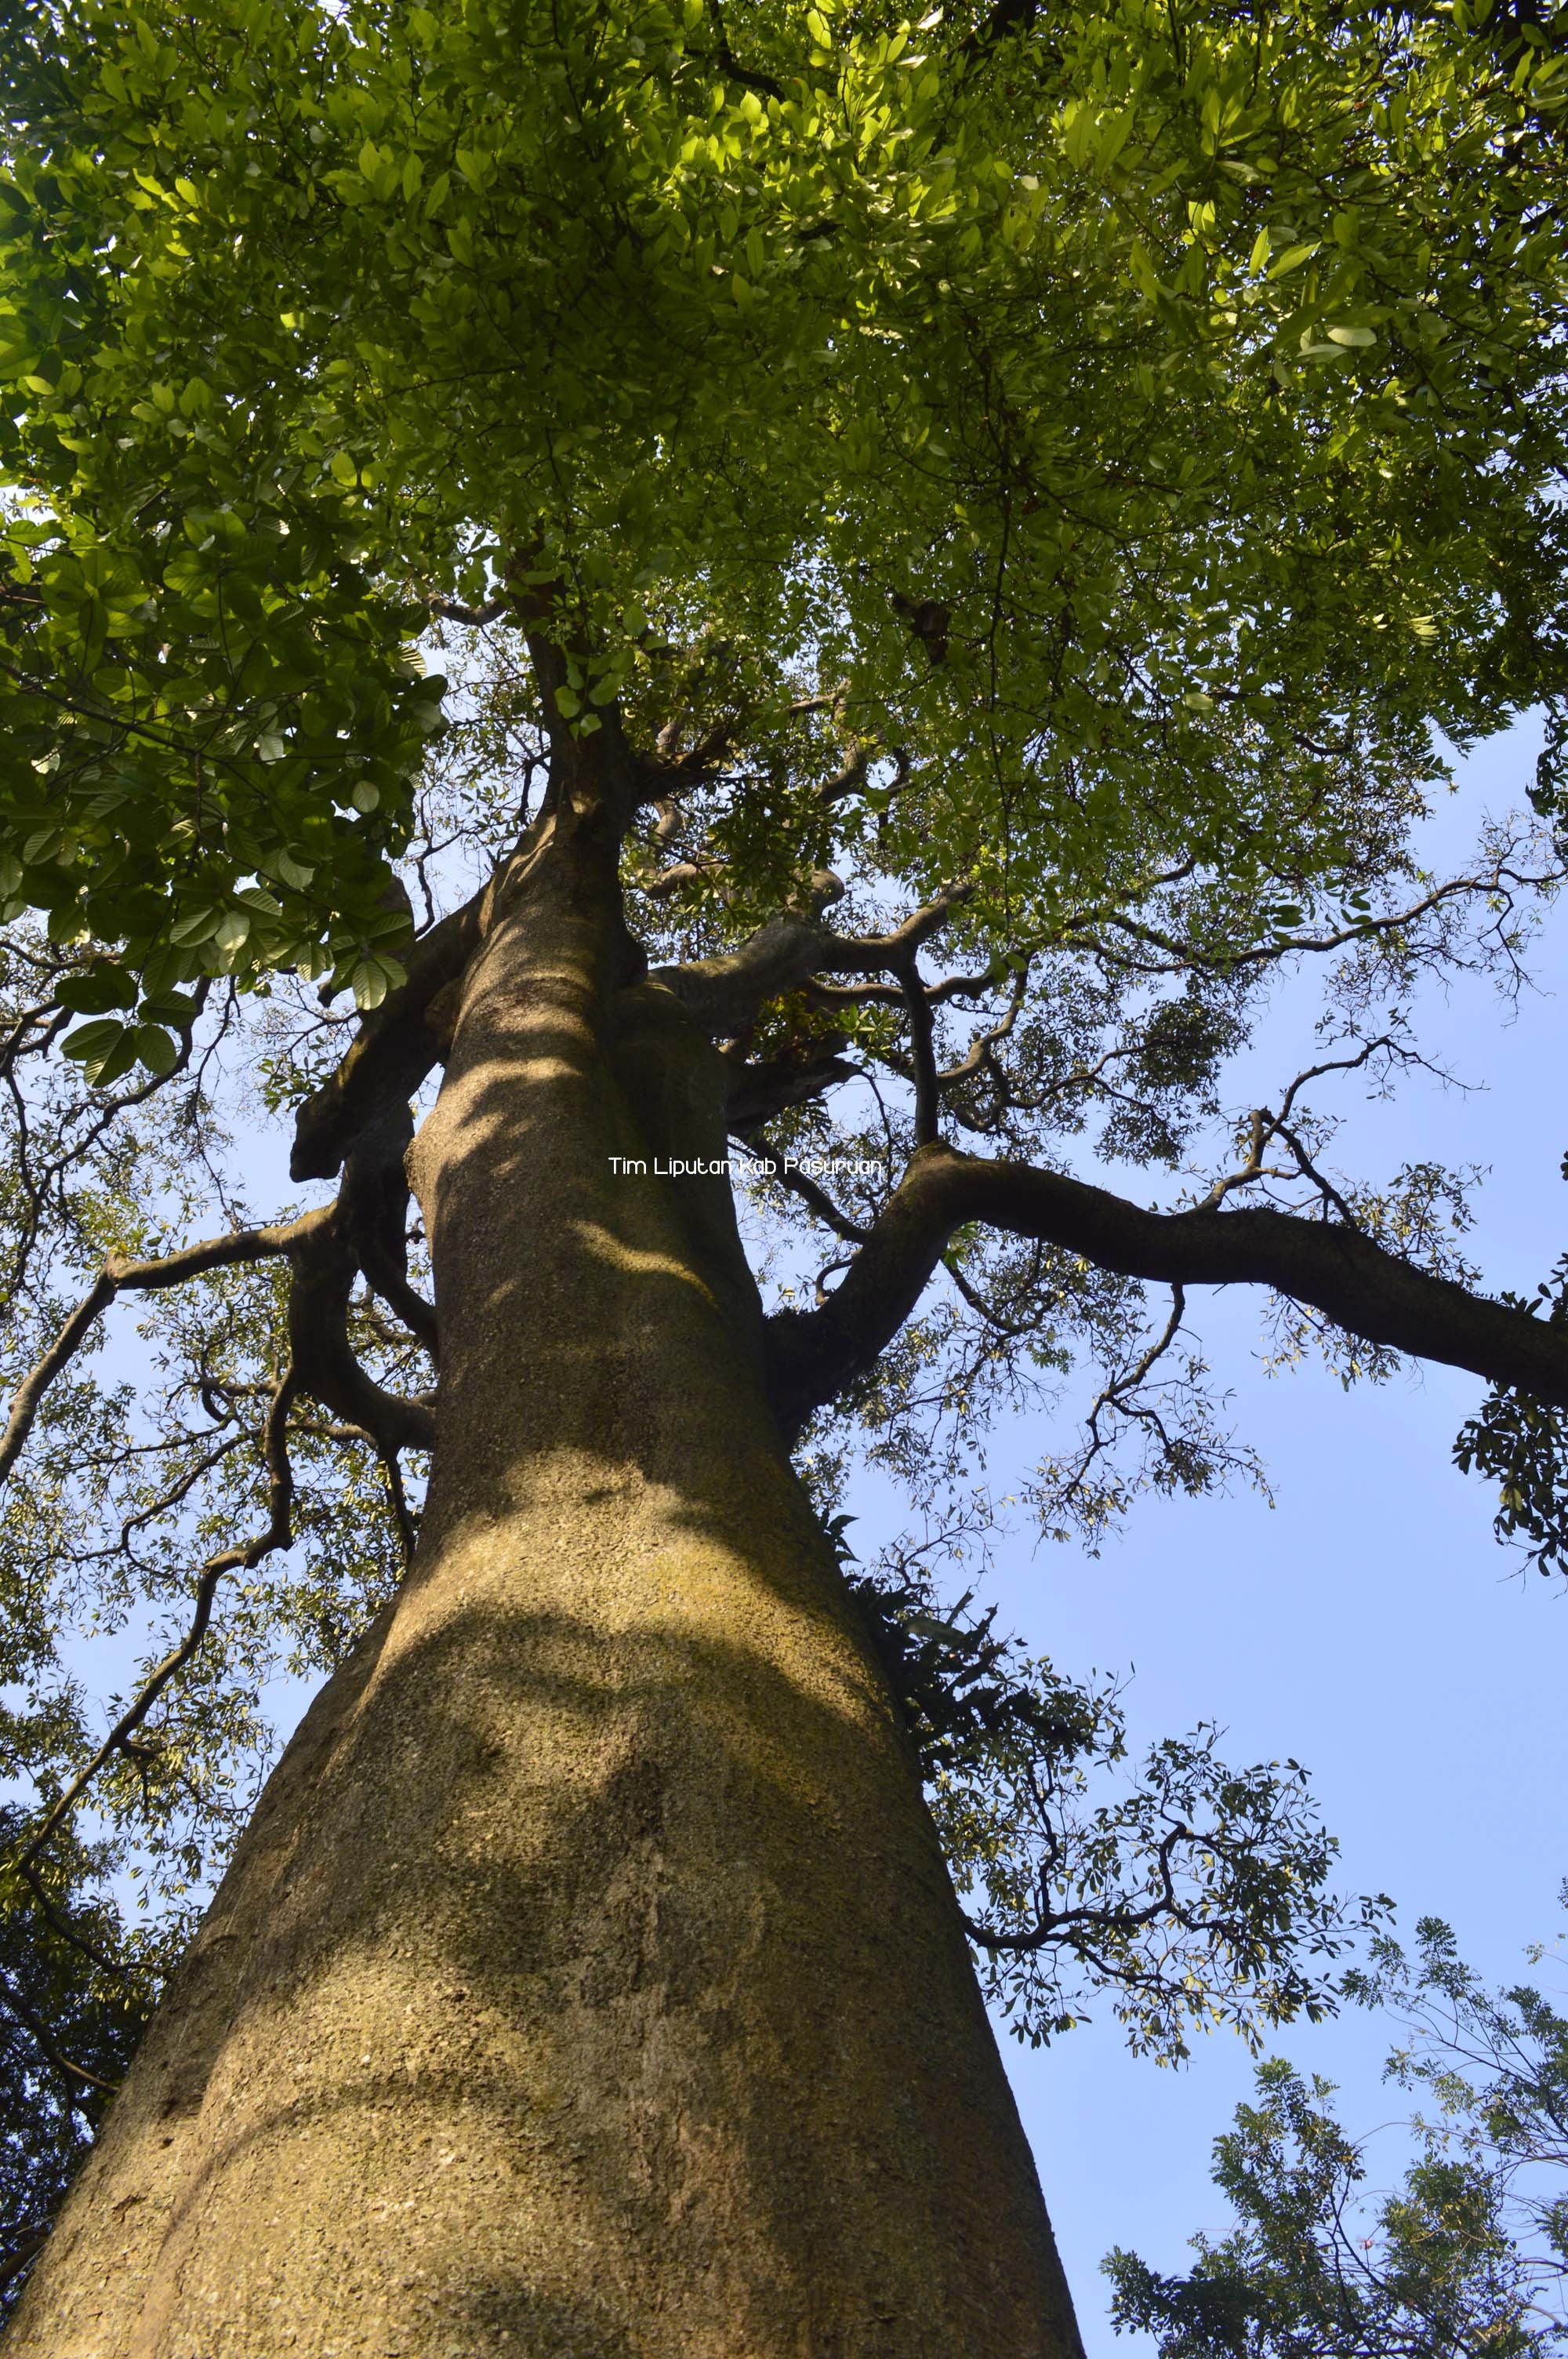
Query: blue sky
point(1368, 1624)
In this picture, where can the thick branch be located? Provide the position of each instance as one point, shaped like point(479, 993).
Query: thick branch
point(395, 1046)
point(764, 1088)
point(922, 1052)
point(1337, 1270)
point(374, 1205)
point(726, 994)
point(325, 1268)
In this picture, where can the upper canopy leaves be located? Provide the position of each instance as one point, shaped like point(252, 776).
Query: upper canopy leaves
point(1149, 415)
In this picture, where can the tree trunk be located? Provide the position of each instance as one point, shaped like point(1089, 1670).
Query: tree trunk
point(590, 1982)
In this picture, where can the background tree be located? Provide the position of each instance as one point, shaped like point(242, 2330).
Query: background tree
point(947, 545)
point(1469, 2255)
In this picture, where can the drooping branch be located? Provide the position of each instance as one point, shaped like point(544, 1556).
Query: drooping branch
point(1327, 1264)
point(1120, 1395)
point(121, 1275)
point(244, 1557)
point(325, 1268)
point(373, 1203)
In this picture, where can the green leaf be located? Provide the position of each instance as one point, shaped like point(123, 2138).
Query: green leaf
point(105, 1052)
point(199, 926)
point(101, 987)
point(156, 1048)
point(233, 931)
point(374, 977)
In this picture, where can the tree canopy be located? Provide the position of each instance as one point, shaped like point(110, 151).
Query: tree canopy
point(1468, 2254)
point(1145, 418)
point(1019, 491)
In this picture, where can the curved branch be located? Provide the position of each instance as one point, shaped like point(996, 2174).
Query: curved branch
point(374, 1205)
point(726, 994)
point(121, 1275)
point(325, 1268)
point(1337, 1270)
point(278, 1533)
point(395, 1046)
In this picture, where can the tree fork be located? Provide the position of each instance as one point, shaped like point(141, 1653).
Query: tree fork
point(590, 1980)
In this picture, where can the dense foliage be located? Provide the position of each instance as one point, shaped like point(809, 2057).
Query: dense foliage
point(1468, 2255)
point(925, 356)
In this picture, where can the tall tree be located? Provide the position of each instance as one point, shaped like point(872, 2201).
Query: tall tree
point(1013, 494)
point(1469, 2255)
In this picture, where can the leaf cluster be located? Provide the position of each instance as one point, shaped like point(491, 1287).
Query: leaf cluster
point(1468, 2255)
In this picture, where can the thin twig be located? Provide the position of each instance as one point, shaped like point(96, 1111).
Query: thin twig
point(278, 1534)
point(120, 1275)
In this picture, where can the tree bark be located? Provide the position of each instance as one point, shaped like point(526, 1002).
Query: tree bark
point(589, 1981)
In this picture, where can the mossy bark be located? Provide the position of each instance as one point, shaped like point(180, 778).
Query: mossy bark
point(590, 1982)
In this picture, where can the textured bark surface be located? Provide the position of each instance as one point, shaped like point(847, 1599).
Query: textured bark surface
point(588, 1984)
